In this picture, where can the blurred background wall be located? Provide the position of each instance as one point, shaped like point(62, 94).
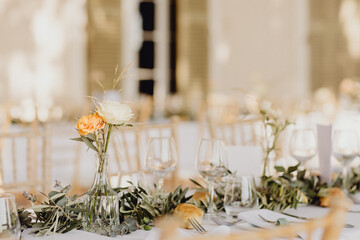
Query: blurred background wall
point(179, 53)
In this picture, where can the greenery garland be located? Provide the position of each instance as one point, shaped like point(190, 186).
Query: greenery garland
point(139, 205)
point(61, 213)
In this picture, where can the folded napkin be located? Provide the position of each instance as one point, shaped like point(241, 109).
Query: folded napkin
point(253, 218)
point(184, 233)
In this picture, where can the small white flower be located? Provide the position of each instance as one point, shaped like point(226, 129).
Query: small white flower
point(265, 106)
point(277, 113)
point(114, 112)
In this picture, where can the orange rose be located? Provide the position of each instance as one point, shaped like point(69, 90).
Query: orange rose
point(90, 123)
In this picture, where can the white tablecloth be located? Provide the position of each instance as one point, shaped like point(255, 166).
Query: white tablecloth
point(308, 211)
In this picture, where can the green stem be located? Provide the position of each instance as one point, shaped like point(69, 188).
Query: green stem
point(108, 138)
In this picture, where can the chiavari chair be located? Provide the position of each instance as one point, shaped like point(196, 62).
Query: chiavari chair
point(129, 145)
point(68, 153)
point(25, 161)
point(244, 132)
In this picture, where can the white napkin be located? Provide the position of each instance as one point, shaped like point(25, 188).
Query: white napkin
point(184, 233)
point(245, 159)
point(324, 148)
point(253, 218)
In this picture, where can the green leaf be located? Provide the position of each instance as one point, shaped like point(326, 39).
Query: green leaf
point(62, 202)
point(196, 183)
point(88, 143)
point(52, 193)
point(77, 139)
point(38, 208)
point(91, 137)
point(293, 168)
point(279, 168)
point(56, 196)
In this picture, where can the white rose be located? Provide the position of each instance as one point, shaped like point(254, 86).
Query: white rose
point(114, 112)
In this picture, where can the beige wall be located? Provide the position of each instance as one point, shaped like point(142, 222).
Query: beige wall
point(43, 55)
point(260, 45)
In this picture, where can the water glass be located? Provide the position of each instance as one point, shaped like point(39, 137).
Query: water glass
point(240, 194)
point(161, 158)
point(9, 220)
point(303, 145)
point(345, 149)
point(211, 163)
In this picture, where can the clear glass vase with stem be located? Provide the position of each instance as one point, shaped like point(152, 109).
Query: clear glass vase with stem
point(101, 202)
point(211, 163)
point(345, 149)
point(161, 158)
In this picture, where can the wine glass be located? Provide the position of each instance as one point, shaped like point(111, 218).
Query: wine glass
point(161, 158)
point(211, 164)
point(9, 220)
point(303, 145)
point(240, 194)
point(345, 149)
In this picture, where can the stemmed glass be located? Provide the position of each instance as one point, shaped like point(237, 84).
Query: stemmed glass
point(161, 158)
point(345, 149)
point(303, 145)
point(211, 163)
point(9, 220)
point(240, 194)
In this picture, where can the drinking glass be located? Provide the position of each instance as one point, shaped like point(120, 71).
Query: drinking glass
point(345, 149)
point(9, 220)
point(303, 145)
point(161, 158)
point(240, 194)
point(211, 163)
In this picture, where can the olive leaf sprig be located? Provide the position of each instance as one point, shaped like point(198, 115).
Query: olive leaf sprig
point(58, 213)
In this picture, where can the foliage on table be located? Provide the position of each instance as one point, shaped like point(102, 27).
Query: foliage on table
point(60, 213)
point(288, 191)
point(218, 200)
point(274, 124)
point(354, 180)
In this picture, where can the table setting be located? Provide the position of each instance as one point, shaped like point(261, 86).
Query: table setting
point(222, 201)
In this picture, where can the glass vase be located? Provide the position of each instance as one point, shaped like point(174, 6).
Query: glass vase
point(101, 202)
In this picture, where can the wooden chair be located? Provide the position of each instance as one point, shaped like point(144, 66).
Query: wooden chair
point(332, 224)
point(129, 145)
point(69, 153)
point(25, 161)
point(241, 132)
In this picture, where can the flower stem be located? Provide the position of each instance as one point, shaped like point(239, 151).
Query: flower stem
point(108, 138)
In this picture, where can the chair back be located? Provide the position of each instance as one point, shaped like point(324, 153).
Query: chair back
point(25, 160)
point(129, 144)
point(245, 132)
